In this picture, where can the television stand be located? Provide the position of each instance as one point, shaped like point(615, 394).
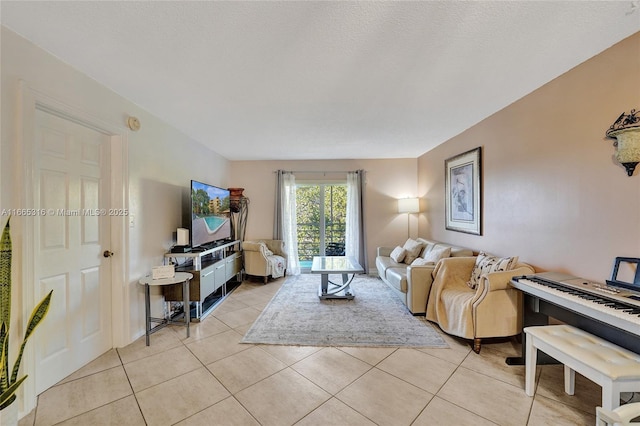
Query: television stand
point(211, 246)
point(217, 271)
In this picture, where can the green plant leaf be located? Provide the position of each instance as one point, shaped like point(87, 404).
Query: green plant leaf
point(5, 275)
point(9, 395)
point(10, 384)
point(4, 358)
point(36, 317)
point(38, 314)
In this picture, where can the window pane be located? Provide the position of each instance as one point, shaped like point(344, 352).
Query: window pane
point(318, 205)
point(308, 216)
point(335, 213)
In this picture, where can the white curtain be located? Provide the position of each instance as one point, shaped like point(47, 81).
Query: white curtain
point(286, 227)
point(355, 243)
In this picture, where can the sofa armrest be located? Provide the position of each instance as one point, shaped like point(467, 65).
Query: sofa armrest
point(497, 306)
point(501, 280)
point(251, 246)
point(276, 247)
point(384, 251)
point(420, 273)
point(498, 281)
point(419, 280)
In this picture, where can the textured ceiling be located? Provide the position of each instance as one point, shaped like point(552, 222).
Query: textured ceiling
point(323, 80)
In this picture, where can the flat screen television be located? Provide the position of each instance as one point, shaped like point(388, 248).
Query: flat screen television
point(210, 215)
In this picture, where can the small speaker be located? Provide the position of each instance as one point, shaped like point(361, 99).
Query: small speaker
point(183, 237)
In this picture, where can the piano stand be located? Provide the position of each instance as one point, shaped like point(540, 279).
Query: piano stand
point(531, 317)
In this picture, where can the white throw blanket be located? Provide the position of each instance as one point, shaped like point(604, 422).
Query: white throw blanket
point(277, 266)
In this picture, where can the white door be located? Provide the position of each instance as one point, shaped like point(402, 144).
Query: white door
point(71, 190)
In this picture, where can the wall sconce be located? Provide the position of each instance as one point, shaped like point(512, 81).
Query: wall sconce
point(408, 206)
point(626, 131)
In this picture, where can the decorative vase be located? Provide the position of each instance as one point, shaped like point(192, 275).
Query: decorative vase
point(235, 199)
point(9, 415)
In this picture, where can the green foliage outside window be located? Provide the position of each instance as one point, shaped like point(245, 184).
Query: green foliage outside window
point(308, 199)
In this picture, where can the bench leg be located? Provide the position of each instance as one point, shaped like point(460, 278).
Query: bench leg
point(569, 380)
point(610, 395)
point(530, 367)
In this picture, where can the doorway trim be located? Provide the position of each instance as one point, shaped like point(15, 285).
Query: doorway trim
point(30, 100)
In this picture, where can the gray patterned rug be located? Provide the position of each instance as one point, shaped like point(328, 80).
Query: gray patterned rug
point(375, 317)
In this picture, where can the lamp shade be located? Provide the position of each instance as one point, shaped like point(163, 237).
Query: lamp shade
point(408, 205)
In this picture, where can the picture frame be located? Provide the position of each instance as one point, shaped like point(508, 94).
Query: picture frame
point(463, 198)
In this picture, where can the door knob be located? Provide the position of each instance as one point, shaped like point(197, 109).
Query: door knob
point(107, 253)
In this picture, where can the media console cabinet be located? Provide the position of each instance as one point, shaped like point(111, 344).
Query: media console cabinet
point(216, 273)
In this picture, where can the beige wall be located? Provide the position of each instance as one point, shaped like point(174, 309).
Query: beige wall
point(161, 159)
point(386, 181)
point(552, 192)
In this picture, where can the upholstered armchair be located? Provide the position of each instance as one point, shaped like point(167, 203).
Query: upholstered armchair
point(492, 309)
point(265, 258)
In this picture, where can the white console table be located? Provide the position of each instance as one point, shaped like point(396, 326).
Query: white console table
point(212, 269)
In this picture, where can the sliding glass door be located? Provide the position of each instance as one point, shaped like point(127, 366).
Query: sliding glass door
point(321, 213)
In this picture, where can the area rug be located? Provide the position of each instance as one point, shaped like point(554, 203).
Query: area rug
point(375, 317)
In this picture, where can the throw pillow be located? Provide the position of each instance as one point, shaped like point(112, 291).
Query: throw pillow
point(427, 248)
point(486, 264)
point(398, 254)
point(421, 262)
point(437, 253)
point(413, 249)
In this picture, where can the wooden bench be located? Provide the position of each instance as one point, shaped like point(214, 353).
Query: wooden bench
point(614, 368)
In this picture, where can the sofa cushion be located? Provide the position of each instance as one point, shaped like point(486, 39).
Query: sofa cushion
point(413, 249)
point(437, 253)
point(455, 250)
point(397, 278)
point(486, 264)
point(398, 254)
point(384, 262)
point(421, 261)
point(428, 246)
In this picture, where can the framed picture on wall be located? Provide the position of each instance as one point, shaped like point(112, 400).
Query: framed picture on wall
point(462, 192)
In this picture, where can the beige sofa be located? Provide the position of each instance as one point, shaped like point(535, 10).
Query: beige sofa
point(265, 258)
point(412, 284)
point(492, 309)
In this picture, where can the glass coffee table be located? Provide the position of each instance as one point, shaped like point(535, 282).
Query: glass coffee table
point(339, 265)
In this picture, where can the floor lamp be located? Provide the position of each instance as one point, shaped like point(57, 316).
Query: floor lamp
point(408, 206)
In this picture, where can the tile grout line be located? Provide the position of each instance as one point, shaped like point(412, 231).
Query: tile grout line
point(451, 402)
point(291, 365)
point(133, 392)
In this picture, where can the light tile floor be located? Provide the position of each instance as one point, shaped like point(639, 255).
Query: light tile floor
point(213, 379)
